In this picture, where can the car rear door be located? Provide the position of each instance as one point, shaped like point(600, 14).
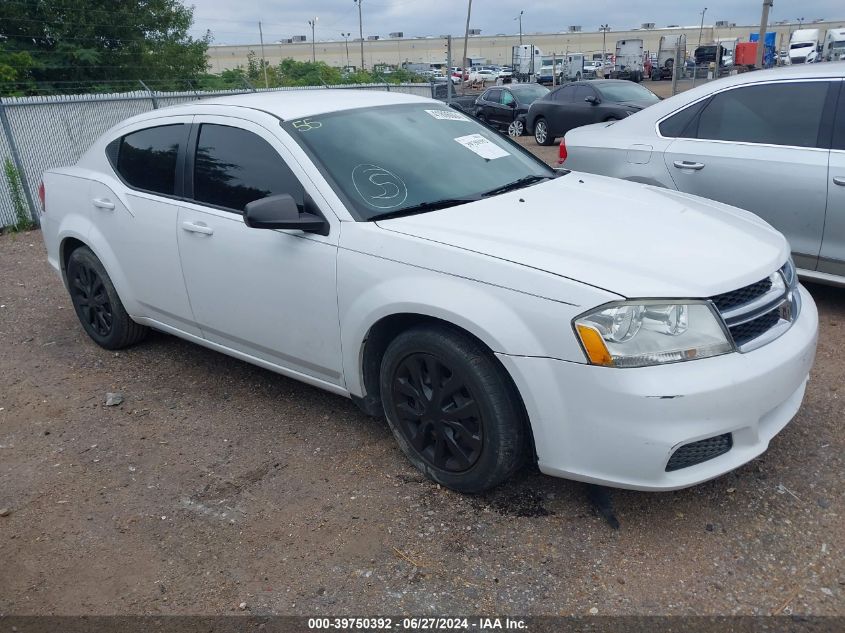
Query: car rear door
point(761, 147)
point(135, 213)
point(506, 109)
point(556, 108)
point(270, 294)
point(832, 256)
point(491, 104)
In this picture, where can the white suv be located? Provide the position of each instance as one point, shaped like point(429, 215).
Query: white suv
point(386, 248)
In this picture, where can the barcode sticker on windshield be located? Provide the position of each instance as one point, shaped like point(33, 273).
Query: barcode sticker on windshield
point(482, 146)
point(447, 115)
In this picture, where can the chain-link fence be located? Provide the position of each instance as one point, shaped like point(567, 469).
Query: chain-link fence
point(38, 133)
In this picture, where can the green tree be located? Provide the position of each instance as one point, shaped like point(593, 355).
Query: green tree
point(63, 43)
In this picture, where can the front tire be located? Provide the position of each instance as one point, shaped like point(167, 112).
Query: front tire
point(452, 408)
point(96, 303)
point(541, 133)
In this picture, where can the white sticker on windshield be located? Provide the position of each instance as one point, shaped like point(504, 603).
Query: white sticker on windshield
point(482, 146)
point(447, 115)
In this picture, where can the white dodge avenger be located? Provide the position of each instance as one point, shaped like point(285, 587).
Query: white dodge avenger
point(387, 248)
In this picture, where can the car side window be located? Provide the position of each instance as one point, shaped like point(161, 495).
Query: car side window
point(682, 124)
point(494, 96)
point(146, 159)
point(581, 93)
point(564, 95)
point(233, 167)
point(785, 113)
point(507, 97)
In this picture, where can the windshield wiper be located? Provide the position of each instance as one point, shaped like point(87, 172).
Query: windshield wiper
point(422, 207)
point(516, 184)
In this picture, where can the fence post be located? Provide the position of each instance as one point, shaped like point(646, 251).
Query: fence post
point(152, 94)
point(16, 159)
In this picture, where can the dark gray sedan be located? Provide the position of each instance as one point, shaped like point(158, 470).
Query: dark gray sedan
point(584, 102)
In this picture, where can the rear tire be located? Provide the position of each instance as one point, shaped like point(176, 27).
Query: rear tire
point(96, 303)
point(452, 408)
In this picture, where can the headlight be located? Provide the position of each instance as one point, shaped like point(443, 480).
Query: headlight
point(643, 333)
point(789, 274)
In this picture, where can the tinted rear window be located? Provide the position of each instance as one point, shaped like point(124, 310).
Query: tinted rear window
point(146, 159)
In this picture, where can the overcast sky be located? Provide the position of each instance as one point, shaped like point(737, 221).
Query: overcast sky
point(237, 22)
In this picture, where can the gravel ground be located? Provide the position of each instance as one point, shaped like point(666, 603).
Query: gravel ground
point(216, 483)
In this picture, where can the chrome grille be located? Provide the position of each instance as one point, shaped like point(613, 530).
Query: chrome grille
point(758, 313)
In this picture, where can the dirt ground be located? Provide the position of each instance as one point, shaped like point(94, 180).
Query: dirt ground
point(217, 483)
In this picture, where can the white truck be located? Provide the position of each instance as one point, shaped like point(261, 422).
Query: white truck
point(834, 45)
point(573, 67)
point(804, 46)
point(666, 56)
point(629, 60)
point(526, 61)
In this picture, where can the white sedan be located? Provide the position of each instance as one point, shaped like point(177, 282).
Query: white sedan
point(389, 249)
point(771, 142)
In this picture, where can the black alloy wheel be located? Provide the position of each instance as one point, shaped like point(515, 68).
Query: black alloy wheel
point(91, 300)
point(437, 412)
point(453, 408)
point(96, 303)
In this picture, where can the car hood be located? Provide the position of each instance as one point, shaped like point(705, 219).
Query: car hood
point(631, 239)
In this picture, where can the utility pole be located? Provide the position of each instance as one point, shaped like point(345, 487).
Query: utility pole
point(764, 22)
point(701, 28)
point(604, 28)
point(345, 37)
point(360, 30)
point(313, 24)
point(466, 41)
point(519, 17)
point(263, 62)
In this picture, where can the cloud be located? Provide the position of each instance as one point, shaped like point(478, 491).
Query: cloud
point(237, 22)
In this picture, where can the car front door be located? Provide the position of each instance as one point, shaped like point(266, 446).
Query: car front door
point(832, 256)
point(584, 112)
point(138, 207)
point(269, 294)
point(760, 148)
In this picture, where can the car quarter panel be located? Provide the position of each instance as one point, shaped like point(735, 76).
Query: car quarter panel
point(513, 309)
point(602, 149)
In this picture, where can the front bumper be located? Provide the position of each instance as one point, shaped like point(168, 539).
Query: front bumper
point(619, 427)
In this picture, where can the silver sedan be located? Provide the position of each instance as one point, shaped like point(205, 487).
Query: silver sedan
point(771, 142)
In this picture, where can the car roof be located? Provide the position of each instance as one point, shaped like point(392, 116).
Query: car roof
point(295, 104)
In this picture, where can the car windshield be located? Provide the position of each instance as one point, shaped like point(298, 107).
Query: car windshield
point(626, 91)
point(530, 93)
point(411, 157)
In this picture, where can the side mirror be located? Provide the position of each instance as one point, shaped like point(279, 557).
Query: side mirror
point(591, 100)
point(512, 104)
point(281, 212)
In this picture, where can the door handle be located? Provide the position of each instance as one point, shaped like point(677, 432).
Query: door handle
point(837, 180)
point(685, 164)
point(103, 203)
point(197, 228)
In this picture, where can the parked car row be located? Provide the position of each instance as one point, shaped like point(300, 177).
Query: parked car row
point(493, 309)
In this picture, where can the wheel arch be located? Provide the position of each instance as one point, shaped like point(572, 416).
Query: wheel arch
point(385, 330)
point(70, 241)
